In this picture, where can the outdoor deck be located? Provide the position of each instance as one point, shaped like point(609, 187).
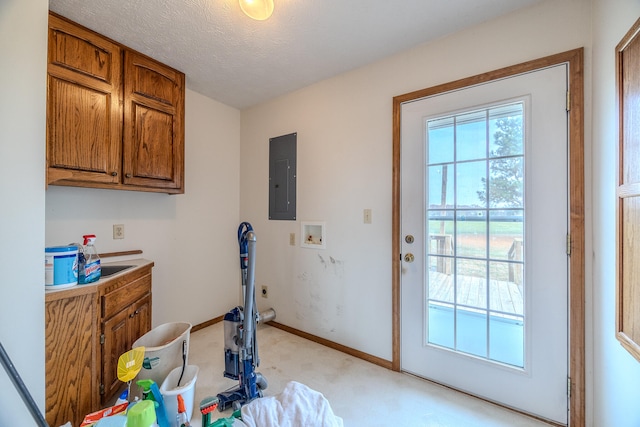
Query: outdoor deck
point(472, 291)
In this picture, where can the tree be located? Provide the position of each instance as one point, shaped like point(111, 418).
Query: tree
point(506, 168)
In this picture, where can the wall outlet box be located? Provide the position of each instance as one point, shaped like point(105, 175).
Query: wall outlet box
point(118, 231)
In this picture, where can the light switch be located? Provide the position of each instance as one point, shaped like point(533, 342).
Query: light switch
point(367, 216)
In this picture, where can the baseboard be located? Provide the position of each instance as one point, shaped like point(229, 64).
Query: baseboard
point(203, 325)
point(327, 343)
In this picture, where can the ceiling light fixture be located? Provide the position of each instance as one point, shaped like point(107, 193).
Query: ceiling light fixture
point(257, 9)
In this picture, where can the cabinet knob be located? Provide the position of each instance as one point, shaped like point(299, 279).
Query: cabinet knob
point(114, 173)
point(128, 175)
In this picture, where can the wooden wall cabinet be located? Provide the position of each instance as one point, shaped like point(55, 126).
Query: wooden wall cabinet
point(628, 192)
point(88, 327)
point(115, 118)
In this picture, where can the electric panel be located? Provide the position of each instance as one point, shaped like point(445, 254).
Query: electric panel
point(282, 177)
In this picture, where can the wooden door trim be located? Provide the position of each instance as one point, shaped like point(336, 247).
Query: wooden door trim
point(575, 60)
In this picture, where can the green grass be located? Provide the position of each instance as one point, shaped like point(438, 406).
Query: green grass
point(508, 228)
point(472, 243)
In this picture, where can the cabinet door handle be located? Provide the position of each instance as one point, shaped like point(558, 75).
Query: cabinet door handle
point(128, 175)
point(135, 313)
point(114, 173)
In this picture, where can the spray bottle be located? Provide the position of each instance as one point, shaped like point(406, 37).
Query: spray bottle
point(90, 271)
point(150, 391)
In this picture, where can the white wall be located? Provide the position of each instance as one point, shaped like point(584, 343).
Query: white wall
point(616, 375)
point(191, 237)
point(344, 166)
point(22, 133)
point(343, 293)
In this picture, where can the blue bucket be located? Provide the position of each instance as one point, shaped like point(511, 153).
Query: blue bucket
point(60, 266)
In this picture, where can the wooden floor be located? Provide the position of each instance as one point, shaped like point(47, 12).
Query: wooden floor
point(472, 291)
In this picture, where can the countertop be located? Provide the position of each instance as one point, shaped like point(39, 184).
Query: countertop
point(93, 287)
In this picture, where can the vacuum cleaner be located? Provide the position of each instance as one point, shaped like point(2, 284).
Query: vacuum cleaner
point(240, 344)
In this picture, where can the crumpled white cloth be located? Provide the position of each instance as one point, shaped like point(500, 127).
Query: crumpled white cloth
point(296, 406)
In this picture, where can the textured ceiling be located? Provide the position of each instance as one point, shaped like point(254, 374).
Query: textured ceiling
point(241, 62)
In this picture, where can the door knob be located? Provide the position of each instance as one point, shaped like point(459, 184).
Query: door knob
point(408, 238)
point(408, 257)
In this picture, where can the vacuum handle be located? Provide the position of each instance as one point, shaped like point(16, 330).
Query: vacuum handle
point(250, 291)
point(243, 229)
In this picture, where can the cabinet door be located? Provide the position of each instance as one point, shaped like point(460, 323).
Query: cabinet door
point(70, 371)
point(140, 318)
point(84, 114)
point(116, 342)
point(120, 332)
point(153, 140)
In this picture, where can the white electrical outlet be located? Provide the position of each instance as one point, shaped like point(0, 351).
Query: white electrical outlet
point(118, 231)
point(265, 292)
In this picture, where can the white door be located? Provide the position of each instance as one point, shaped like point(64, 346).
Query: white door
point(484, 210)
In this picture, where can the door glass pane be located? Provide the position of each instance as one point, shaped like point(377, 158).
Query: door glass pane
point(441, 324)
point(505, 128)
point(440, 135)
point(506, 234)
point(470, 179)
point(471, 136)
point(505, 182)
point(441, 185)
point(475, 233)
point(471, 233)
point(471, 283)
point(471, 331)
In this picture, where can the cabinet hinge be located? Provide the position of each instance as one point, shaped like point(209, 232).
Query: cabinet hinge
point(569, 387)
point(101, 389)
point(568, 244)
point(568, 101)
point(101, 339)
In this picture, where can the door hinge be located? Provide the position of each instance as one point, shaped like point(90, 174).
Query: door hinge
point(101, 389)
point(569, 387)
point(101, 339)
point(568, 101)
point(568, 244)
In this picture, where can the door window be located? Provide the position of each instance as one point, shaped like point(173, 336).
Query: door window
point(475, 256)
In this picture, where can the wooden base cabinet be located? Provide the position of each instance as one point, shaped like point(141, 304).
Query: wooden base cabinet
point(88, 327)
point(126, 316)
point(71, 343)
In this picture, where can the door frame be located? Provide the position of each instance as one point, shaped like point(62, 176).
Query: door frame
point(576, 294)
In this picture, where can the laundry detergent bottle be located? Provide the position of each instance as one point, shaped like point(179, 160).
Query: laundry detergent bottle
point(90, 271)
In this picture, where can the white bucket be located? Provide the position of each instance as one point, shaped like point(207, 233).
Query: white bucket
point(170, 392)
point(60, 266)
point(163, 350)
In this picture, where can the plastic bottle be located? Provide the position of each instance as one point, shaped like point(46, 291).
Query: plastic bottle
point(142, 414)
point(123, 398)
point(181, 419)
point(90, 271)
